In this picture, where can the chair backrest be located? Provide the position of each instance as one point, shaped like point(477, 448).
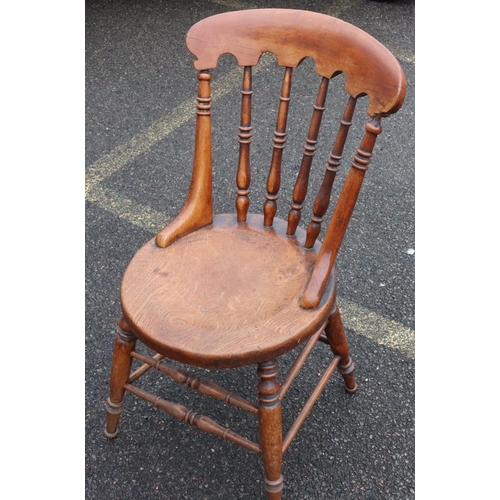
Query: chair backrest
point(337, 48)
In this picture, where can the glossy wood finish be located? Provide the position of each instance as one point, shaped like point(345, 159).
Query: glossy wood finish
point(338, 342)
point(341, 217)
point(270, 424)
point(197, 211)
point(226, 295)
point(292, 35)
point(279, 140)
point(245, 139)
point(323, 197)
point(222, 291)
point(197, 383)
point(300, 189)
point(120, 370)
point(193, 418)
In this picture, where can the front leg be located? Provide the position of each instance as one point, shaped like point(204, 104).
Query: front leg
point(271, 435)
point(120, 371)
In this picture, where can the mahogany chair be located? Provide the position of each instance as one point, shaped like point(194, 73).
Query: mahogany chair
point(224, 291)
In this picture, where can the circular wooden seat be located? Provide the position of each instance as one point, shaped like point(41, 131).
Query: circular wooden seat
point(225, 295)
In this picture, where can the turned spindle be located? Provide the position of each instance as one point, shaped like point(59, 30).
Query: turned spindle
point(323, 198)
point(300, 189)
point(270, 422)
point(245, 139)
point(279, 140)
point(121, 364)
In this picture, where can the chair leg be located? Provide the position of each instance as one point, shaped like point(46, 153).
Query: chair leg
point(336, 337)
point(120, 371)
point(270, 424)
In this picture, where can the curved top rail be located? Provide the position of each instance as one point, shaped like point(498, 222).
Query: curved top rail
point(292, 35)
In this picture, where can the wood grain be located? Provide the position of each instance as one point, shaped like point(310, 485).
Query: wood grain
point(225, 295)
point(292, 35)
point(245, 139)
point(197, 211)
point(279, 141)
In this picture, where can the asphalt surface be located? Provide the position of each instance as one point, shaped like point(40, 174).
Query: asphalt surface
point(140, 88)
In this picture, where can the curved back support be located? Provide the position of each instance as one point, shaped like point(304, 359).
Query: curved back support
point(292, 35)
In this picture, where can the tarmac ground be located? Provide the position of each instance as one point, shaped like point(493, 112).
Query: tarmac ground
point(140, 89)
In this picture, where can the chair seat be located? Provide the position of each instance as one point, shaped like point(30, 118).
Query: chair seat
point(225, 295)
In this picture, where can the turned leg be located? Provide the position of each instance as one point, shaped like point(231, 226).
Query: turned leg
point(120, 371)
point(270, 428)
point(336, 337)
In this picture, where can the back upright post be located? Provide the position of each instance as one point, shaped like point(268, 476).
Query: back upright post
point(341, 216)
point(197, 211)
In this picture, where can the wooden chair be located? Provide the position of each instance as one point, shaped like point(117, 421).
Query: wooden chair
point(224, 291)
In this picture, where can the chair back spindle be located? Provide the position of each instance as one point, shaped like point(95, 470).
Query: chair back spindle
point(323, 198)
point(300, 189)
point(279, 140)
point(245, 139)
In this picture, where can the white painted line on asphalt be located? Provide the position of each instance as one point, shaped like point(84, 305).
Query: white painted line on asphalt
point(131, 211)
point(144, 140)
point(381, 330)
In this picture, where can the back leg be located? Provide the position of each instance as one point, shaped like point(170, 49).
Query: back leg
point(336, 337)
point(120, 371)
